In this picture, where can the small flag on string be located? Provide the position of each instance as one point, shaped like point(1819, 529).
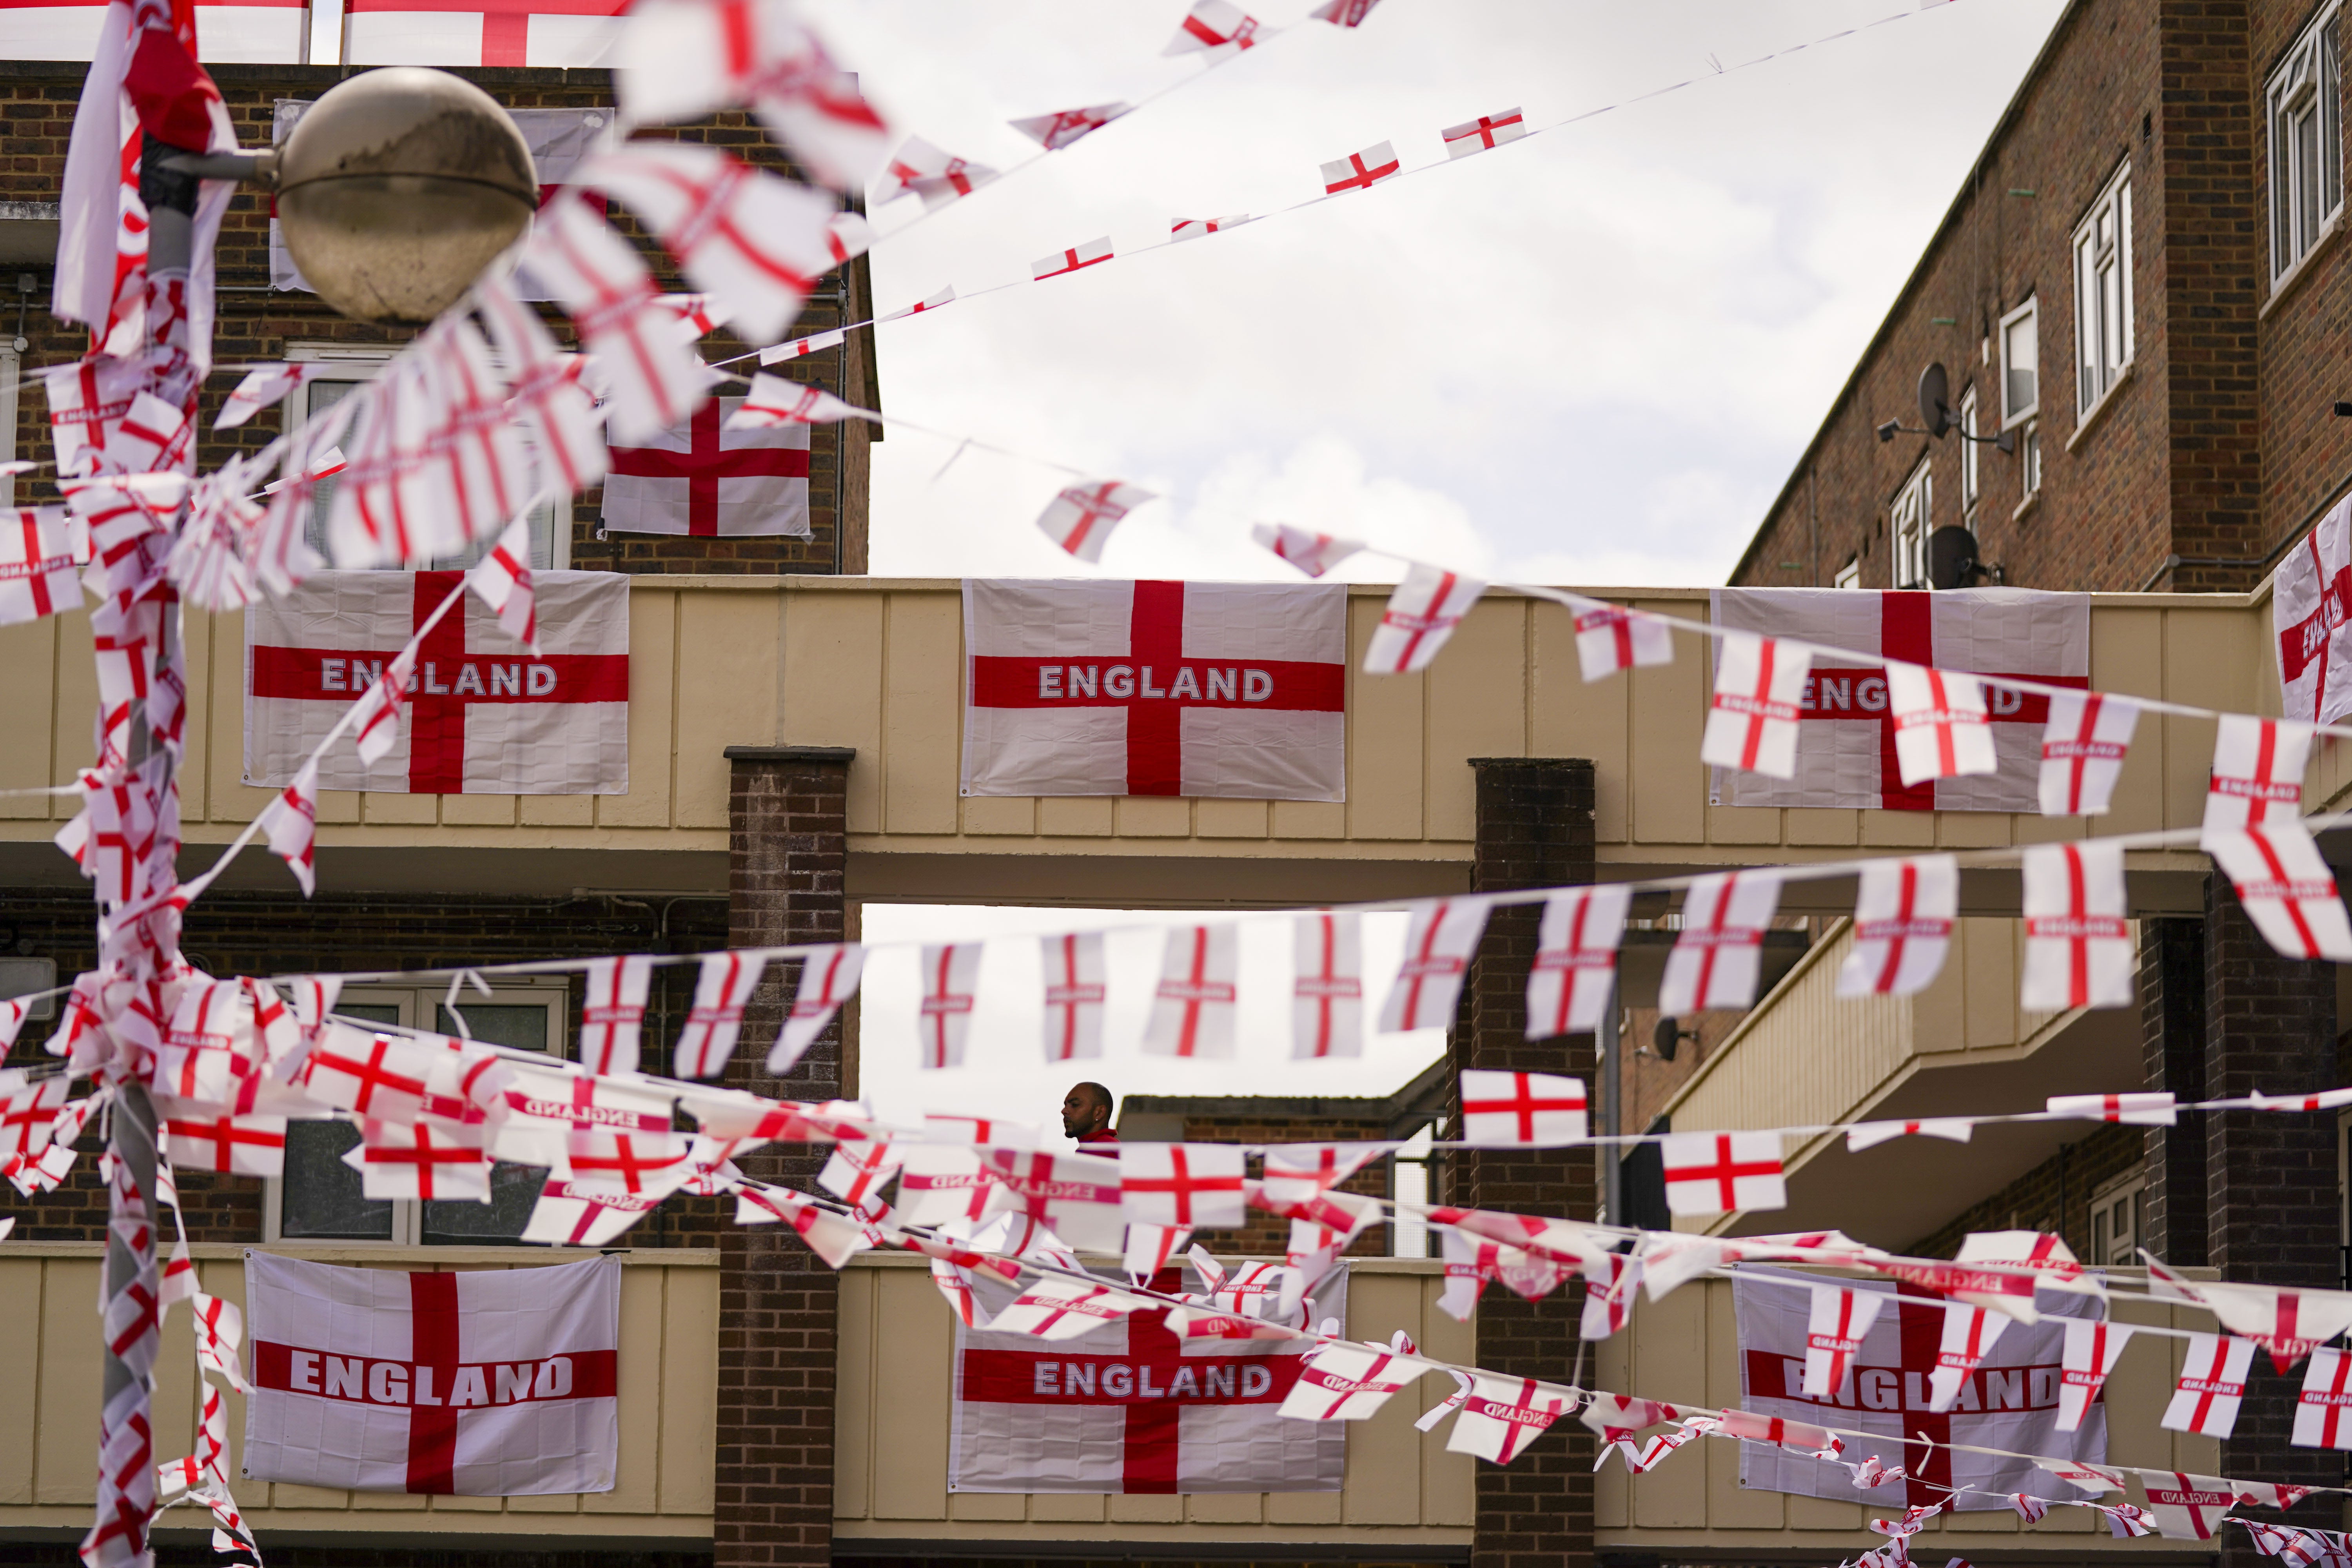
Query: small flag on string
point(1194, 1186)
point(291, 824)
point(950, 975)
point(2083, 747)
point(2078, 947)
point(1313, 553)
point(945, 296)
point(42, 552)
point(1055, 132)
point(262, 386)
point(2286, 886)
point(1718, 956)
point(2320, 1410)
point(1081, 517)
point(2152, 1109)
point(1074, 995)
point(936, 176)
point(1722, 1172)
point(1839, 1322)
point(655, 379)
point(801, 348)
point(1193, 1008)
point(2211, 1386)
point(377, 713)
point(698, 315)
point(774, 400)
point(1344, 13)
point(1215, 29)
point(1504, 1415)
point(828, 978)
point(1968, 1336)
point(2186, 1506)
point(1185, 228)
point(1523, 1109)
point(1902, 926)
point(1420, 615)
point(1093, 253)
point(1941, 731)
point(722, 991)
point(613, 1013)
point(1056, 1308)
point(503, 580)
point(1075, 1197)
point(1488, 131)
point(1575, 968)
point(1361, 171)
point(1609, 638)
point(1751, 722)
point(1440, 938)
point(1349, 1383)
point(1327, 1008)
point(2257, 765)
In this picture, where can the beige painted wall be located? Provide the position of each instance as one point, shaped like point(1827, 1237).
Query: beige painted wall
point(50, 1389)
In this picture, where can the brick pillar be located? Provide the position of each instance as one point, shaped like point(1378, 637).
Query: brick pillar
point(2270, 1215)
point(2172, 1036)
point(1534, 829)
point(787, 859)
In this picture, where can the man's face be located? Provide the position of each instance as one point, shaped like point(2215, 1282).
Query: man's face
point(1080, 1115)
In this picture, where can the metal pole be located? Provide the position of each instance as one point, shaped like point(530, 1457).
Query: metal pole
point(1612, 1170)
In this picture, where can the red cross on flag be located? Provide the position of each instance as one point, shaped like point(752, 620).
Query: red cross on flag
point(1194, 1186)
point(1057, 131)
point(2092, 1349)
point(774, 400)
point(580, 1213)
point(1193, 1007)
point(1609, 638)
point(199, 1138)
point(1902, 926)
point(1440, 938)
point(656, 377)
point(1217, 30)
point(1301, 1173)
point(485, 716)
point(938, 1183)
point(2321, 1409)
point(1185, 228)
point(2186, 1506)
point(1575, 968)
point(1722, 1172)
point(1488, 131)
point(2083, 748)
point(547, 396)
point(828, 977)
point(29, 1114)
point(499, 1383)
point(721, 990)
point(951, 979)
point(42, 552)
point(1967, 1338)
point(1327, 1002)
point(1718, 956)
point(422, 1161)
point(1075, 1197)
point(1361, 171)
point(2078, 945)
point(1846, 749)
point(2153, 1108)
point(1074, 990)
point(937, 176)
point(1421, 615)
point(1313, 553)
point(1526, 1109)
point(1940, 729)
point(1614, 1281)
point(939, 300)
point(2311, 604)
point(1840, 1321)
point(380, 1077)
point(1350, 1382)
point(1130, 1405)
point(613, 1012)
point(2257, 778)
point(710, 477)
point(2212, 1385)
point(1077, 687)
point(2289, 1324)
point(1751, 721)
point(1081, 517)
point(1504, 1415)
point(480, 32)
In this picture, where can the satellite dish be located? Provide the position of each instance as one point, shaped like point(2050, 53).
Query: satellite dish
point(1951, 557)
point(1935, 404)
point(1664, 1036)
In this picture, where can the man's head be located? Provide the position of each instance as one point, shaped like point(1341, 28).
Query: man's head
point(1085, 1109)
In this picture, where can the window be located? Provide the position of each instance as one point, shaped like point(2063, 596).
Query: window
point(2020, 362)
point(354, 368)
point(1850, 575)
point(1409, 1232)
point(320, 1199)
point(2028, 460)
point(2115, 1224)
point(2307, 145)
point(2103, 293)
point(1907, 519)
point(1970, 476)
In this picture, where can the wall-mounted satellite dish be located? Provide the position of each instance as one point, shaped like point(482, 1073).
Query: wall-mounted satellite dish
point(1935, 400)
point(1951, 555)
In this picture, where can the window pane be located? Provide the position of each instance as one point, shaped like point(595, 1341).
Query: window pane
point(521, 1028)
point(2086, 327)
point(2306, 178)
point(2331, 131)
point(320, 1198)
point(2020, 350)
point(2283, 246)
point(513, 1189)
point(2111, 322)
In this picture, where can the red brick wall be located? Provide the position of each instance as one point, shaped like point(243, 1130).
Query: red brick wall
point(2055, 1196)
point(36, 105)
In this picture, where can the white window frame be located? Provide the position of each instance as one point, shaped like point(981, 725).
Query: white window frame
point(2132, 1187)
point(1971, 474)
point(2305, 91)
point(2029, 460)
point(358, 362)
point(2029, 314)
point(1908, 520)
point(416, 1005)
point(2104, 336)
point(1408, 1183)
point(1850, 575)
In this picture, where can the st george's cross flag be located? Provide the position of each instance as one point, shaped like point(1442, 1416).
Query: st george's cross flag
point(2008, 1401)
point(1233, 690)
point(709, 481)
point(494, 1383)
point(1847, 726)
point(484, 715)
point(260, 32)
point(1133, 1406)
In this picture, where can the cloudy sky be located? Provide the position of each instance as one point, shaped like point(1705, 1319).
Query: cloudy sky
point(1590, 358)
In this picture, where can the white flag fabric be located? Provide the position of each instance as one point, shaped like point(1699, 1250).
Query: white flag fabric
point(1421, 615)
point(2311, 604)
point(1193, 1008)
point(1080, 519)
point(2078, 946)
point(828, 978)
point(1529, 1109)
point(1840, 1320)
point(1075, 687)
point(1093, 253)
point(1349, 1383)
point(1752, 717)
point(934, 174)
point(2083, 749)
point(1504, 1415)
point(1361, 171)
point(2257, 777)
point(1968, 1336)
point(1718, 956)
point(1902, 925)
point(722, 991)
point(1057, 131)
point(2092, 1349)
point(2186, 1506)
point(613, 1012)
point(1197, 1186)
point(2151, 1108)
point(491, 1384)
point(1440, 938)
point(1074, 990)
point(2320, 1410)
point(2287, 887)
point(1846, 748)
point(951, 980)
point(2212, 1385)
point(1217, 30)
point(1135, 1406)
point(2008, 1401)
point(483, 716)
point(1719, 1172)
point(1326, 1006)
point(1941, 731)
point(1313, 553)
point(1575, 968)
point(1609, 638)
point(68, 30)
point(1075, 1197)
point(712, 478)
point(290, 824)
point(1486, 131)
point(42, 552)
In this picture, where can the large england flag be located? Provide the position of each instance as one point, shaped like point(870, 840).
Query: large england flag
point(259, 32)
point(2008, 1401)
point(500, 1383)
point(1131, 1408)
point(703, 480)
point(1845, 741)
point(480, 32)
point(1077, 687)
point(484, 716)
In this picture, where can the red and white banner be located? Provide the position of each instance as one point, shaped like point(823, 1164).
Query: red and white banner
point(2311, 604)
point(480, 32)
point(1132, 1406)
point(494, 1384)
point(483, 714)
point(1233, 690)
point(2009, 1400)
point(1846, 752)
point(560, 139)
point(257, 32)
point(704, 479)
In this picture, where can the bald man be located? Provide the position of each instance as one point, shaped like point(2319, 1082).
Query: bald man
point(1086, 1115)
